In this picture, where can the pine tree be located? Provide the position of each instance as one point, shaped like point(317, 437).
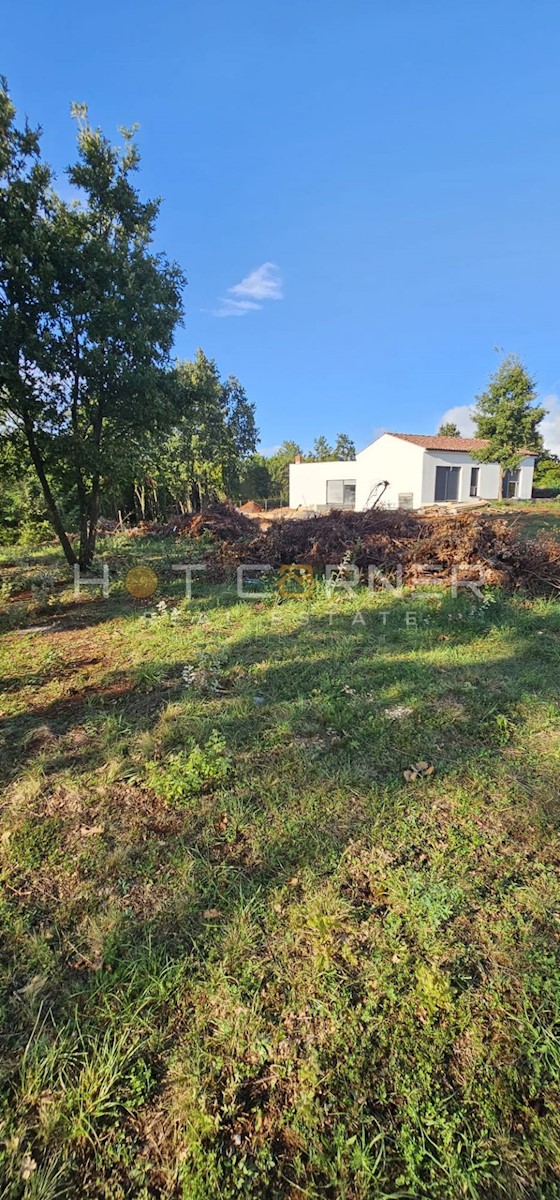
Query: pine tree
point(507, 416)
point(344, 448)
point(322, 452)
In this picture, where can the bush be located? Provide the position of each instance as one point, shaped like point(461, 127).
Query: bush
point(190, 772)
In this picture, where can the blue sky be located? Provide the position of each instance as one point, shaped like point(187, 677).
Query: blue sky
point(364, 193)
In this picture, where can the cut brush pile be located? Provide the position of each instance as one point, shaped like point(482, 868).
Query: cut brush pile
point(420, 544)
point(423, 545)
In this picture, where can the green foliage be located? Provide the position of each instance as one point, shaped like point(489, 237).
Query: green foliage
point(22, 505)
point(24, 516)
point(256, 481)
point(321, 452)
point(278, 464)
point(344, 448)
point(547, 471)
point(87, 317)
point(190, 773)
point(202, 455)
point(279, 467)
point(506, 414)
point(449, 429)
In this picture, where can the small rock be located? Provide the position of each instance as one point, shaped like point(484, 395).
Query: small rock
point(419, 770)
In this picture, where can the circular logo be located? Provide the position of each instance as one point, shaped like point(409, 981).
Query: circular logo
point(141, 582)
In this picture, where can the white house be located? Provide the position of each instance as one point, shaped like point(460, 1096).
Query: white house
point(410, 471)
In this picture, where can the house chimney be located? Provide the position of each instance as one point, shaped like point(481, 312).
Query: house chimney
point(297, 458)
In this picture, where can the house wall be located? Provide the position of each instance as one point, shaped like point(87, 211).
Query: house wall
point(392, 459)
point(527, 468)
point(308, 481)
point(489, 477)
point(408, 468)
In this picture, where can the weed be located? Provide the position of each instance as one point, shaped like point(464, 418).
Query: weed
point(190, 773)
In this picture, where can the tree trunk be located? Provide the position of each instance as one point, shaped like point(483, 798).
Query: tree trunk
point(140, 499)
point(83, 519)
point(89, 536)
point(80, 484)
point(87, 543)
point(49, 498)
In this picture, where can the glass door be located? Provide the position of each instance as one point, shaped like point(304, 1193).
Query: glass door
point(447, 484)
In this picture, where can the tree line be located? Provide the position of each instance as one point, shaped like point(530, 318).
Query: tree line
point(264, 477)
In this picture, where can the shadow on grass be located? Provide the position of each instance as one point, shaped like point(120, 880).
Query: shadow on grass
point(317, 765)
point(338, 675)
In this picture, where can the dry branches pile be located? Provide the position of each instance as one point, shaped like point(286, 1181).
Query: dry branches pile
point(385, 539)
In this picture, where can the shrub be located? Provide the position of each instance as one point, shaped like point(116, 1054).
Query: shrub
point(190, 772)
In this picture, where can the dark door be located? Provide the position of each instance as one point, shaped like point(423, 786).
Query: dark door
point(453, 483)
point(447, 483)
point(441, 483)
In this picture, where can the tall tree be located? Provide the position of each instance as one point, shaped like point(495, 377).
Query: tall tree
point(203, 431)
point(344, 448)
point(449, 429)
point(201, 457)
point(279, 467)
point(87, 315)
point(27, 301)
point(242, 432)
point(256, 480)
point(507, 415)
point(321, 452)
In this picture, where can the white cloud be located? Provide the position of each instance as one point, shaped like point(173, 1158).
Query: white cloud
point(234, 308)
point(550, 427)
point(461, 416)
point(262, 283)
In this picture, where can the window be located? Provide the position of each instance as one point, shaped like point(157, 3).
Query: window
point(474, 481)
point(510, 484)
point(447, 484)
point(341, 493)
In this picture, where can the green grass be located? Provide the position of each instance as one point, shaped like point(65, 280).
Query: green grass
point(239, 954)
point(531, 518)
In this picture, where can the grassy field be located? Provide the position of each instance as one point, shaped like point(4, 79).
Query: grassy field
point(241, 954)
